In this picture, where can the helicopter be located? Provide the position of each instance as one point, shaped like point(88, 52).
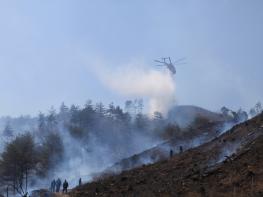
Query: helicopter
point(169, 64)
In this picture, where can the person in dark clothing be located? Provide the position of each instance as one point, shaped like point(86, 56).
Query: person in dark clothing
point(171, 153)
point(80, 182)
point(58, 184)
point(181, 149)
point(53, 186)
point(65, 186)
point(25, 195)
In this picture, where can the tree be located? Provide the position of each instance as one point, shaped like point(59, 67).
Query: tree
point(63, 115)
point(18, 162)
point(129, 106)
point(252, 112)
point(74, 114)
point(242, 115)
point(111, 111)
point(89, 105)
point(258, 107)
point(134, 107)
point(52, 120)
point(63, 109)
point(42, 122)
point(85, 117)
point(138, 106)
point(8, 131)
point(141, 121)
point(100, 109)
point(256, 110)
point(158, 119)
point(225, 111)
point(50, 153)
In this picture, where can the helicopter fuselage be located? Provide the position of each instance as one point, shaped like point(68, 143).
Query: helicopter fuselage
point(171, 68)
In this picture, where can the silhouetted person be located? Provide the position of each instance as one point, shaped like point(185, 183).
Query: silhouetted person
point(65, 186)
point(80, 182)
point(181, 149)
point(53, 186)
point(58, 184)
point(25, 195)
point(171, 153)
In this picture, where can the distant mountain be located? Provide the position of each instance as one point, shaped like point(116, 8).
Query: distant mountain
point(184, 115)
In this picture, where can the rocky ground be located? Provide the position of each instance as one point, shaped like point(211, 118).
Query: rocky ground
point(229, 165)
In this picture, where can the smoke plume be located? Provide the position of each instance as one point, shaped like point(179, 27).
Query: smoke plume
point(136, 80)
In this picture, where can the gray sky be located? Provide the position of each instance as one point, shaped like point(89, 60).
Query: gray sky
point(48, 49)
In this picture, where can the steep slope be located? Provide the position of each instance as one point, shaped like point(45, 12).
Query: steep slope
point(205, 126)
point(229, 165)
point(184, 141)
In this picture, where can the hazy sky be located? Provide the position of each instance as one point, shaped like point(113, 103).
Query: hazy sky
point(48, 49)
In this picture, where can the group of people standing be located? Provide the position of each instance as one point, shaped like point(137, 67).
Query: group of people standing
point(181, 150)
point(56, 184)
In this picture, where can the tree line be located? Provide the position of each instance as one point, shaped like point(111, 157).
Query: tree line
point(34, 153)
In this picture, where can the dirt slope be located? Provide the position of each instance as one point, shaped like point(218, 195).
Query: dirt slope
point(186, 140)
point(230, 165)
point(204, 126)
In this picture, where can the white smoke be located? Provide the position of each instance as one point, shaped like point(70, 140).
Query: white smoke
point(137, 80)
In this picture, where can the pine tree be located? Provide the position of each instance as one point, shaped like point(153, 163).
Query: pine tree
point(41, 122)
point(8, 131)
point(64, 115)
point(129, 106)
point(258, 108)
point(100, 109)
point(64, 109)
point(74, 115)
point(52, 120)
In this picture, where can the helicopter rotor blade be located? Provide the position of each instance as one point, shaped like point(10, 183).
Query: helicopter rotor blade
point(180, 63)
point(179, 60)
point(159, 61)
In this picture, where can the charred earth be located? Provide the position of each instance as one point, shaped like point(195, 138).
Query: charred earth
point(228, 165)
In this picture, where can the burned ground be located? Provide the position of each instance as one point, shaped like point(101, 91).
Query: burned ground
point(229, 165)
point(186, 139)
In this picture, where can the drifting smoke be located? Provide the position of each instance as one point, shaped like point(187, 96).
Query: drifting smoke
point(104, 144)
point(136, 80)
point(96, 153)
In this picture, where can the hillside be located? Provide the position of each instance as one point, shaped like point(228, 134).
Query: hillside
point(161, 152)
point(184, 115)
point(205, 126)
point(229, 165)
